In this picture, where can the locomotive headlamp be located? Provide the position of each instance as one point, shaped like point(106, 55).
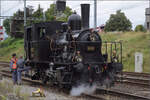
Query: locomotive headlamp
point(51, 64)
point(78, 52)
point(92, 37)
point(69, 27)
point(78, 57)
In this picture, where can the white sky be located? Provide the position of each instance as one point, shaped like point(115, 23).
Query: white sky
point(134, 10)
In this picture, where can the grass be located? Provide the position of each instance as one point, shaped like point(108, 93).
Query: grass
point(10, 46)
point(7, 88)
point(132, 42)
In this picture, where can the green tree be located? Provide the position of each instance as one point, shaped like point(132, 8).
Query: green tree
point(38, 14)
point(6, 24)
point(51, 13)
point(140, 28)
point(118, 22)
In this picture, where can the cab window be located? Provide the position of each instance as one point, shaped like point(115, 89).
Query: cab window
point(41, 32)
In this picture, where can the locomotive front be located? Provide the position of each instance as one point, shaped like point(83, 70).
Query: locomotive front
point(86, 48)
point(89, 52)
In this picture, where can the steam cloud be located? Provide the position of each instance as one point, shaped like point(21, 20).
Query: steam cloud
point(77, 91)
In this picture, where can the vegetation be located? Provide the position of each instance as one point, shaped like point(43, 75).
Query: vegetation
point(51, 14)
point(140, 28)
point(9, 46)
point(118, 22)
point(6, 24)
point(9, 91)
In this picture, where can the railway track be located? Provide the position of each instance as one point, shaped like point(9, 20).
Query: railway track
point(141, 84)
point(121, 94)
point(137, 74)
point(5, 64)
point(134, 78)
point(134, 81)
point(129, 80)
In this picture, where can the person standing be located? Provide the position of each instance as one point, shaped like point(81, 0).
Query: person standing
point(13, 67)
point(20, 64)
point(21, 68)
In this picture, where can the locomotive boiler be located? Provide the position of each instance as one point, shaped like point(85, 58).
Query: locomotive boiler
point(68, 53)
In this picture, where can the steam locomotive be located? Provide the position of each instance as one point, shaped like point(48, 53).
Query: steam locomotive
point(68, 54)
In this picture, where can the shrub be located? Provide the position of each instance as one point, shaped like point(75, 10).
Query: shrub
point(140, 28)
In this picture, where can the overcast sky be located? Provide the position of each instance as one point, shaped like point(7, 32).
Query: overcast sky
point(134, 10)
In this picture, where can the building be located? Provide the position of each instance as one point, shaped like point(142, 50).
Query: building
point(147, 20)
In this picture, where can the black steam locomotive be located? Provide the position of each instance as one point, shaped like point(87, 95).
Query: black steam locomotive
point(68, 53)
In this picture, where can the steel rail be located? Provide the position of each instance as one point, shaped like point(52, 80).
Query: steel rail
point(145, 85)
point(121, 94)
point(137, 74)
point(136, 79)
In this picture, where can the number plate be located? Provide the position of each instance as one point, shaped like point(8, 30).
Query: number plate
point(90, 48)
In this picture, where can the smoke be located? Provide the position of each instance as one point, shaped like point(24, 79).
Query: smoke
point(87, 89)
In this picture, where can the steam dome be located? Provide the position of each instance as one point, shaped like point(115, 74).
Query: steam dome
point(74, 21)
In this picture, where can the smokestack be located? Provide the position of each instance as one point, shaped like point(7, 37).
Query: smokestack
point(60, 5)
point(85, 13)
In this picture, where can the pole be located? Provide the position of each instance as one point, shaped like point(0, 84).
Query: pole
point(25, 17)
point(44, 17)
point(95, 13)
point(149, 3)
point(25, 20)
point(0, 12)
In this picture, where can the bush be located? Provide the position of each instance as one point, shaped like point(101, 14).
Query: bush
point(118, 22)
point(140, 28)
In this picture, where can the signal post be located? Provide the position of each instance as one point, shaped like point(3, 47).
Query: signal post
point(1, 33)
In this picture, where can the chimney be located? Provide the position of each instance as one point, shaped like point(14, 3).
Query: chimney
point(60, 5)
point(85, 13)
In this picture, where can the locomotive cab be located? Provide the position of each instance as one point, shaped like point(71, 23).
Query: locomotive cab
point(37, 40)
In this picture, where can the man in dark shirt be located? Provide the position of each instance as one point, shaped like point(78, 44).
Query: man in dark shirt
point(20, 64)
point(21, 68)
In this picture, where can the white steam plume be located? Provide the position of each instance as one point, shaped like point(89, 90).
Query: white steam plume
point(87, 89)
